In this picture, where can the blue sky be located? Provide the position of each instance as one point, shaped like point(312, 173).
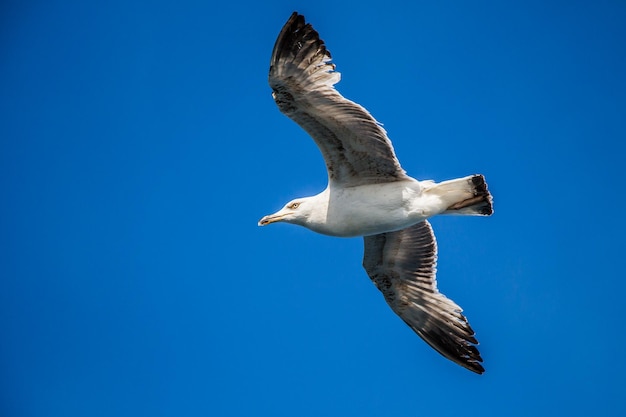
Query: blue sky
point(139, 146)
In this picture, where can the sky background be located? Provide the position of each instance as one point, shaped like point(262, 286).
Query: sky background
point(140, 145)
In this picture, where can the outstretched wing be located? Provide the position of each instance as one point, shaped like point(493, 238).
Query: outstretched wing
point(355, 147)
point(403, 265)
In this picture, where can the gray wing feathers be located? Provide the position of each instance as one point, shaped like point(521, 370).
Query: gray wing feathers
point(402, 264)
point(355, 147)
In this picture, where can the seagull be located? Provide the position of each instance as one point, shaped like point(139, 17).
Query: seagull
point(370, 195)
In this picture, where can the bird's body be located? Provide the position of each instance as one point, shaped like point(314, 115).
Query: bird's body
point(370, 195)
point(371, 209)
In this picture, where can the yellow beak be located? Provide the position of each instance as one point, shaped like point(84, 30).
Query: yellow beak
point(272, 218)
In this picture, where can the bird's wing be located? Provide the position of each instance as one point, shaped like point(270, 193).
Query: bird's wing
point(355, 147)
point(403, 265)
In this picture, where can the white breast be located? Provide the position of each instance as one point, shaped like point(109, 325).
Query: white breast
point(370, 209)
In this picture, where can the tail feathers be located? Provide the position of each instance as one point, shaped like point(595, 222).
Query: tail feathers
point(477, 200)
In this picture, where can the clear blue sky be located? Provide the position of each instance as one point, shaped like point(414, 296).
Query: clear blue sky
point(139, 146)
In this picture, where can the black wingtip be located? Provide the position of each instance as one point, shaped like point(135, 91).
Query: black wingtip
point(476, 368)
point(461, 352)
point(295, 20)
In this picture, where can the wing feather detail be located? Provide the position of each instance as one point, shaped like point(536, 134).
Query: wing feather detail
point(403, 266)
point(354, 145)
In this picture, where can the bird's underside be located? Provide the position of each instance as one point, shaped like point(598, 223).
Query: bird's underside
point(357, 152)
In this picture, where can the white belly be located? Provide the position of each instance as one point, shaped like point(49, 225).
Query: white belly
point(373, 209)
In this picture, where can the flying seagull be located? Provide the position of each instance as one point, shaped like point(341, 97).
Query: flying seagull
point(370, 195)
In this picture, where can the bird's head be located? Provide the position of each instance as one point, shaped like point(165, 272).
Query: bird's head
point(296, 212)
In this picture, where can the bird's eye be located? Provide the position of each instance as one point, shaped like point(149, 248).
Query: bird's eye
point(294, 205)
